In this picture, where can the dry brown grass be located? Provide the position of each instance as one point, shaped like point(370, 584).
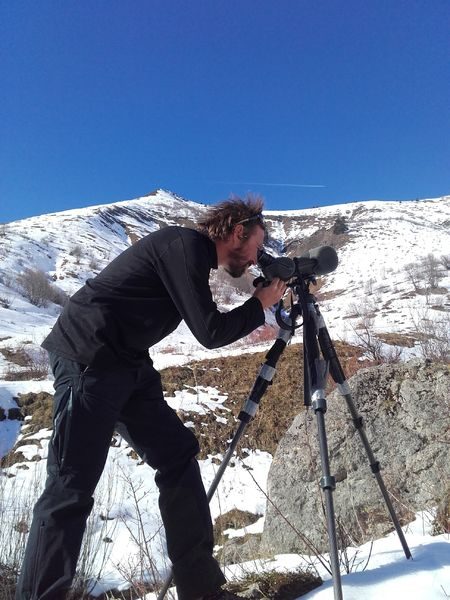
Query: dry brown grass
point(398, 339)
point(441, 522)
point(233, 519)
point(232, 376)
point(235, 376)
point(275, 585)
point(17, 356)
point(22, 366)
point(7, 582)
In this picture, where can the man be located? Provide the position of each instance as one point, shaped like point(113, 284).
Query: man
point(105, 381)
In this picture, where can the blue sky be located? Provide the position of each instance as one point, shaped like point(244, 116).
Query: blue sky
point(106, 100)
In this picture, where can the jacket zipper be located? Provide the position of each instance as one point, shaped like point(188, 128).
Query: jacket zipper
point(68, 411)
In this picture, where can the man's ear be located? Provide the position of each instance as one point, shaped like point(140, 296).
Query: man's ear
point(238, 231)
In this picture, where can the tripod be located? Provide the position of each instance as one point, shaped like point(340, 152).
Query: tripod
point(320, 359)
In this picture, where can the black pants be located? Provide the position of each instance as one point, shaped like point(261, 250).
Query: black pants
point(89, 405)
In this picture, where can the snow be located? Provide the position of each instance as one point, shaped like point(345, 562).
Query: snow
point(10, 429)
point(201, 400)
point(380, 568)
point(390, 575)
point(127, 494)
point(383, 238)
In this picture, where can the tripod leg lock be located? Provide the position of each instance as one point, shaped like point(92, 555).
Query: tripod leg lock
point(375, 467)
point(344, 388)
point(319, 402)
point(250, 409)
point(328, 482)
point(267, 372)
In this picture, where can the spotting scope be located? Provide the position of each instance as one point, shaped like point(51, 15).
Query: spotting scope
point(318, 261)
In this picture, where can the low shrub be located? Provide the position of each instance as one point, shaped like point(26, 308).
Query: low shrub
point(38, 290)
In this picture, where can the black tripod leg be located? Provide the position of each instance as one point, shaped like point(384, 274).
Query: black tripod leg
point(375, 467)
point(328, 485)
point(316, 373)
point(338, 376)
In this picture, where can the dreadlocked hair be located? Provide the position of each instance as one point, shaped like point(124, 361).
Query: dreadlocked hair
point(220, 219)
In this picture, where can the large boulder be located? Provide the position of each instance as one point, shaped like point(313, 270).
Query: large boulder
point(406, 411)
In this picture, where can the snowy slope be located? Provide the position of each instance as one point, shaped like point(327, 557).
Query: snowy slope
point(382, 238)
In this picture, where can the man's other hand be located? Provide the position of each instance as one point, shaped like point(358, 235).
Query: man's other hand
point(270, 294)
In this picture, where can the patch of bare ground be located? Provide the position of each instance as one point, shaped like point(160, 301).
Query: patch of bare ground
point(233, 519)
point(323, 296)
point(17, 356)
point(398, 339)
point(8, 577)
point(439, 307)
point(39, 406)
point(22, 367)
point(235, 376)
point(275, 585)
point(232, 376)
point(440, 291)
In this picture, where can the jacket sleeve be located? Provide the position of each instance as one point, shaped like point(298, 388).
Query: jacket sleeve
point(184, 270)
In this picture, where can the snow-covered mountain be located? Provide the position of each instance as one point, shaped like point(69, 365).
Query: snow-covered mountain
point(375, 241)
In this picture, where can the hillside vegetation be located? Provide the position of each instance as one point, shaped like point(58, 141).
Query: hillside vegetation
point(232, 376)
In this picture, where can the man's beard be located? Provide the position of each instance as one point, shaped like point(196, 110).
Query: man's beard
point(236, 268)
point(235, 272)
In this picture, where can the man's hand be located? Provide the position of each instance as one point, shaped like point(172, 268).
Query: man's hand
point(271, 294)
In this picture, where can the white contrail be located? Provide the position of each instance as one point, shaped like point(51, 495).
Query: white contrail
point(300, 185)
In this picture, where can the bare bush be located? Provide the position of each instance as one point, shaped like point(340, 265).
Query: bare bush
point(414, 275)
point(94, 263)
point(36, 287)
point(18, 497)
point(433, 334)
point(6, 300)
point(432, 271)
point(445, 261)
point(426, 273)
point(369, 286)
point(98, 537)
point(37, 367)
point(140, 571)
point(371, 344)
point(77, 252)
point(39, 364)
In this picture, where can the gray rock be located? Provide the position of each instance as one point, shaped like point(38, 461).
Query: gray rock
point(406, 411)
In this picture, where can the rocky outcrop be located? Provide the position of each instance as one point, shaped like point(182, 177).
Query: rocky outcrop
point(406, 411)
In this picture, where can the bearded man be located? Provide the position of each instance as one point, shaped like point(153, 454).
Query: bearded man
point(105, 382)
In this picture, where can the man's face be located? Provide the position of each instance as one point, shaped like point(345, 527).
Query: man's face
point(243, 252)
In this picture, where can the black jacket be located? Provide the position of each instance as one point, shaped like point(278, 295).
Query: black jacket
point(142, 296)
